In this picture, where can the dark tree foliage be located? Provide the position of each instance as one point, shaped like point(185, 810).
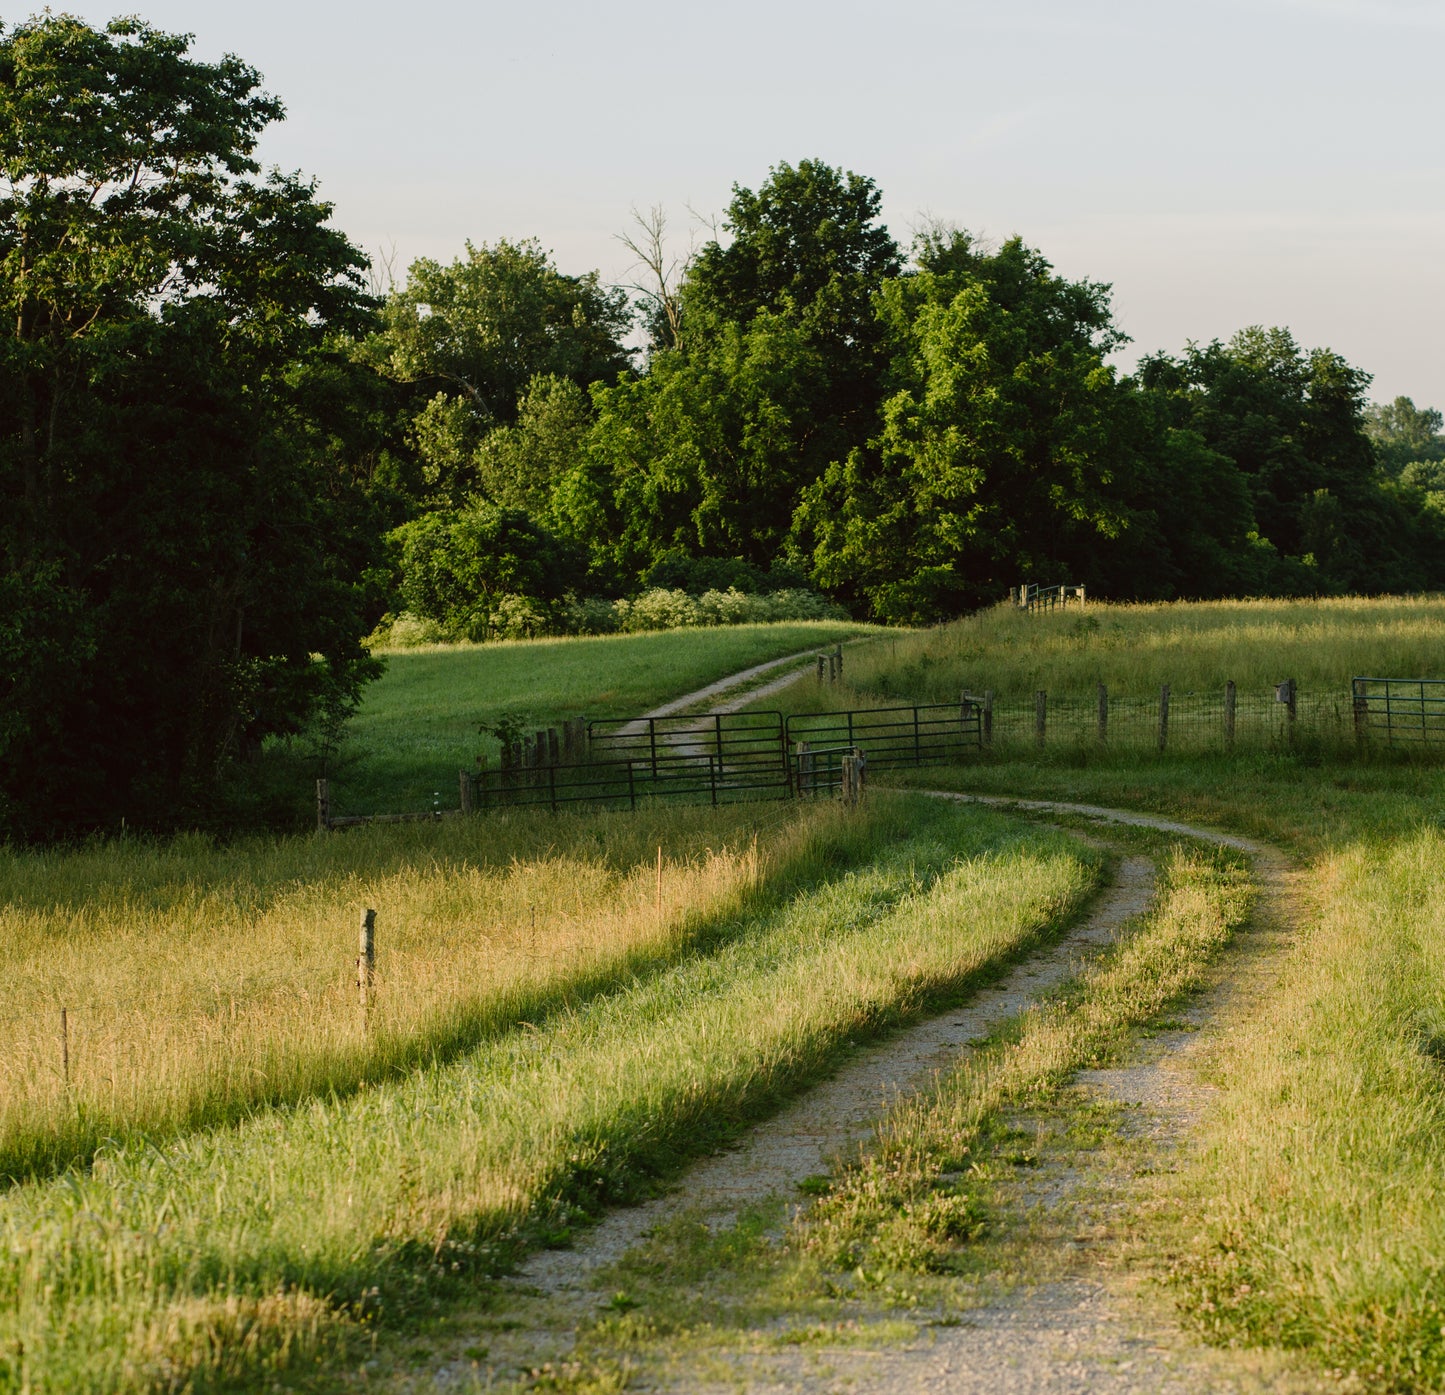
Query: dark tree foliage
point(459, 568)
point(183, 562)
point(469, 341)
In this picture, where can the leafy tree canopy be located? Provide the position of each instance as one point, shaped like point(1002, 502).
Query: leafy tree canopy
point(1404, 434)
point(998, 438)
point(184, 572)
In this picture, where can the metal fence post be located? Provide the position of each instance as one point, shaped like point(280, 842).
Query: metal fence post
point(1361, 705)
point(1163, 716)
point(987, 733)
point(1103, 715)
point(1041, 716)
point(1231, 698)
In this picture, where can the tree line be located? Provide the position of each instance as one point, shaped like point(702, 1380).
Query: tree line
point(226, 457)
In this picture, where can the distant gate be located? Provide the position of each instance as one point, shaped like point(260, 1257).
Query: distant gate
point(1400, 709)
point(729, 757)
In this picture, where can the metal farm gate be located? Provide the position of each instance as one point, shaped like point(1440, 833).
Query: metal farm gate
point(1400, 709)
point(891, 737)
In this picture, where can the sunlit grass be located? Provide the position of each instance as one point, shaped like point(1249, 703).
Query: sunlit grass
point(1134, 649)
point(199, 982)
point(224, 1253)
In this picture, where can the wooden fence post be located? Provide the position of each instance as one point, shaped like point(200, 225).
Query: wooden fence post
point(323, 805)
point(1360, 703)
point(1291, 706)
point(1231, 698)
point(553, 746)
point(804, 753)
point(1082, 606)
point(838, 654)
point(1163, 716)
point(1041, 716)
point(366, 958)
point(464, 788)
point(988, 716)
point(65, 1046)
point(1103, 714)
point(821, 662)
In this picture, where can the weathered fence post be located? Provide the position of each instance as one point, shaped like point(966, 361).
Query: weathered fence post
point(838, 655)
point(821, 662)
point(323, 805)
point(1231, 699)
point(464, 788)
point(1163, 716)
point(1041, 716)
point(988, 716)
point(1081, 598)
point(804, 753)
point(554, 753)
point(65, 1046)
point(366, 958)
point(1361, 706)
point(1103, 716)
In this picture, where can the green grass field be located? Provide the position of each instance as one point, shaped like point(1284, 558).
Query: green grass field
point(418, 724)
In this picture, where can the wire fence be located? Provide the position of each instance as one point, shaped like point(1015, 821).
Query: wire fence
point(1220, 720)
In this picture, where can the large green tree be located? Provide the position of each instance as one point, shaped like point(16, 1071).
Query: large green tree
point(470, 337)
point(774, 372)
point(1294, 423)
point(1404, 434)
point(183, 568)
point(1000, 437)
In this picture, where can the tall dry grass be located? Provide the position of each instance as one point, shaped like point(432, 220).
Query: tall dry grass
point(199, 983)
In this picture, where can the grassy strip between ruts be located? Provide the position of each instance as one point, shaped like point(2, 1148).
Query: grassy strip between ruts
point(907, 1204)
point(1329, 1234)
point(224, 1255)
point(892, 1238)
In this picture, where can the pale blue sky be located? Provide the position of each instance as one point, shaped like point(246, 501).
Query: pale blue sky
point(1220, 163)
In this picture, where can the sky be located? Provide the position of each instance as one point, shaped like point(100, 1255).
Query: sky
point(1219, 163)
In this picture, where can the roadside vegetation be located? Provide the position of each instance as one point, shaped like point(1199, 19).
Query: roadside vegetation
point(254, 1247)
point(1327, 1235)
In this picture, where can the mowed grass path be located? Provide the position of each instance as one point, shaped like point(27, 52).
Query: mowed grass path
point(418, 724)
point(227, 1254)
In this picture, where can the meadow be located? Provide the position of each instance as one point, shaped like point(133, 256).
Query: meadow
point(238, 1178)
